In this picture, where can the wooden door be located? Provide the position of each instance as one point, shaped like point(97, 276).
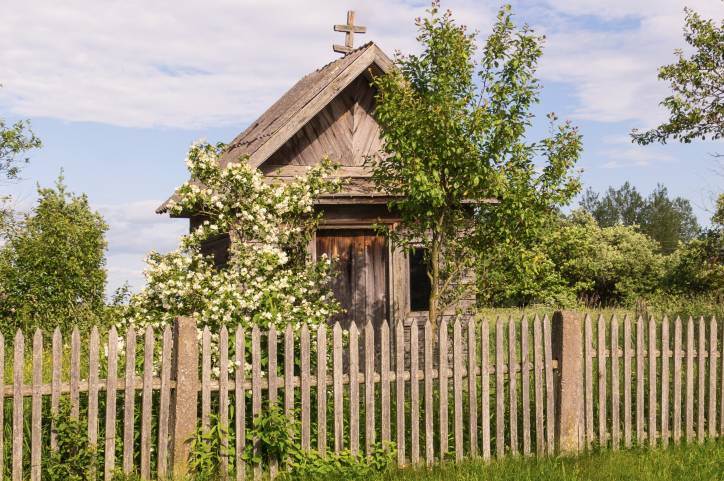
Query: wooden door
point(360, 274)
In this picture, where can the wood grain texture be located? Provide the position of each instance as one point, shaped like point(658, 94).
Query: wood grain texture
point(129, 401)
point(615, 381)
point(665, 354)
point(472, 388)
point(18, 371)
point(111, 381)
point(322, 389)
point(36, 448)
point(55, 384)
point(499, 388)
point(550, 389)
point(224, 400)
point(690, 379)
point(429, 406)
point(458, 389)
point(205, 378)
point(713, 361)
point(240, 399)
point(369, 361)
point(701, 375)
point(443, 387)
point(512, 387)
point(485, 387)
point(652, 403)
point(2, 404)
point(627, 408)
point(385, 381)
point(538, 384)
point(588, 350)
point(338, 393)
point(414, 395)
point(677, 381)
point(305, 356)
point(525, 383)
point(164, 403)
point(256, 391)
point(146, 402)
point(353, 389)
point(602, 381)
point(640, 378)
point(75, 374)
point(400, 391)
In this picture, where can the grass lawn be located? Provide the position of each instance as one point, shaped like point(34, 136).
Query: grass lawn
point(691, 463)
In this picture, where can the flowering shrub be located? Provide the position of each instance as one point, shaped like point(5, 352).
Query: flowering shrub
point(269, 278)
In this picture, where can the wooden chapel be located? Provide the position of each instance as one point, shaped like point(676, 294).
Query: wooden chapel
point(328, 113)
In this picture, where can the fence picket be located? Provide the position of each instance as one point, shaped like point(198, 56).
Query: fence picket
point(322, 389)
point(272, 384)
point(712, 377)
point(18, 371)
point(588, 346)
point(240, 399)
point(93, 368)
point(353, 389)
point(429, 436)
point(485, 387)
point(677, 380)
point(602, 397)
point(164, 403)
point(75, 374)
point(146, 402)
point(414, 395)
point(129, 399)
point(525, 383)
point(550, 400)
point(458, 388)
point(640, 433)
point(665, 353)
point(690, 379)
point(2, 403)
point(627, 354)
point(224, 400)
point(385, 381)
point(701, 373)
point(472, 390)
point(205, 378)
point(615, 379)
point(369, 387)
point(538, 384)
point(512, 388)
point(443, 387)
point(721, 387)
point(37, 407)
point(338, 393)
point(111, 382)
point(499, 389)
point(400, 391)
point(305, 387)
point(256, 390)
point(289, 372)
point(55, 385)
point(652, 382)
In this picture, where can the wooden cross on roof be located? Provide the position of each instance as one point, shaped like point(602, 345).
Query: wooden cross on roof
point(350, 29)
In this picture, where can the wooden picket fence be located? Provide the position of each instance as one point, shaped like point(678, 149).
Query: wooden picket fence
point(472, 388)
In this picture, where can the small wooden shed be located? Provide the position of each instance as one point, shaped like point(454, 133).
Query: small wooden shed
point(328, 113)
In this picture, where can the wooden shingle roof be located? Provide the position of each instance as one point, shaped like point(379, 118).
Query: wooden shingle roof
point(299, 105)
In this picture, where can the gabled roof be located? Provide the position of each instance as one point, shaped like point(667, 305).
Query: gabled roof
point(299, 105)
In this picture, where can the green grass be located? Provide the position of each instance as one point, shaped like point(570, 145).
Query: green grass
point(691, 463)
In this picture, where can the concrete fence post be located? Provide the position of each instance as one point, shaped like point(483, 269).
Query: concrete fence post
point(185, 372)
point(568, 351)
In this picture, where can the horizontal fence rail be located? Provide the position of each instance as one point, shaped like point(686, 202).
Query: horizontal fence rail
point(467, 388)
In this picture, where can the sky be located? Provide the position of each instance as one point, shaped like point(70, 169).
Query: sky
point(118, 90)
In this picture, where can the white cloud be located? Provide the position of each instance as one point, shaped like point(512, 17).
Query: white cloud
point(134, 231)
point(633, 156)
point(181, 63)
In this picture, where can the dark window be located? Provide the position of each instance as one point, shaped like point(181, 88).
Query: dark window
point(419, 281)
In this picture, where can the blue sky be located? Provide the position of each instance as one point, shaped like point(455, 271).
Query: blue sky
point(118, 90)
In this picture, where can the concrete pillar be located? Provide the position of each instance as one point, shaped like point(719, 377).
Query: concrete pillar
point(568, 351)
point(185, 371)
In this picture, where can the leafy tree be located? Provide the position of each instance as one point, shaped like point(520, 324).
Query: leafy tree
point(52, 267)
point(696, 105)
point(269, 278)
point(668, 221)
point(454, 138)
